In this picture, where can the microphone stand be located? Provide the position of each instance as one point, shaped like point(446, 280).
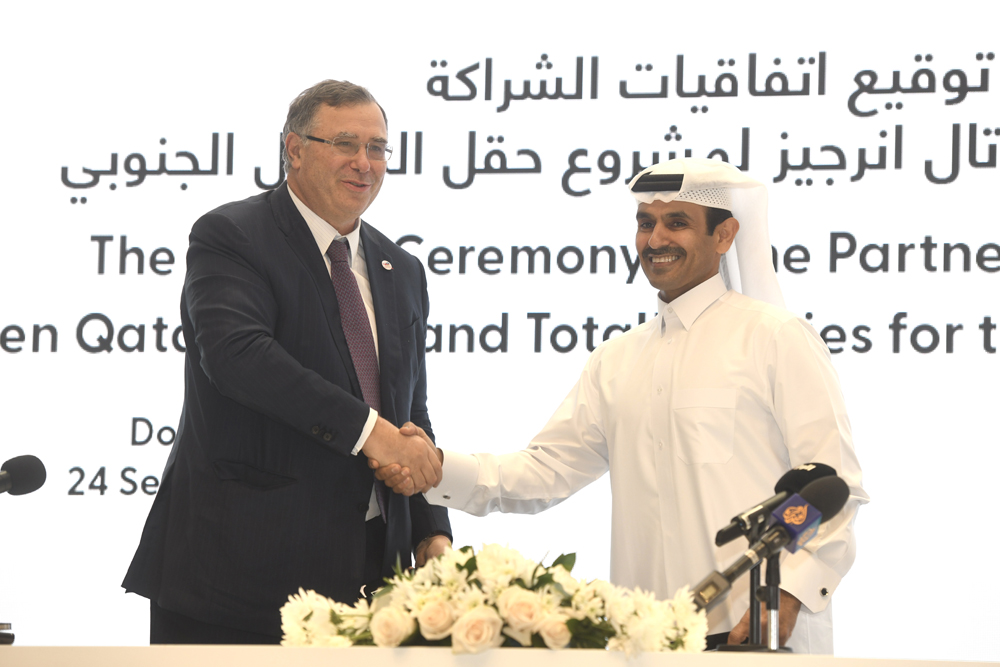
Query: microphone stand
point(771, 595)
point(753, 640)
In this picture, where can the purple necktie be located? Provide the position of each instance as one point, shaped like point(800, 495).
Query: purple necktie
point(358, 332)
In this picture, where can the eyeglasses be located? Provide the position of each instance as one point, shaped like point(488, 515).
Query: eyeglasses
point(376, 152)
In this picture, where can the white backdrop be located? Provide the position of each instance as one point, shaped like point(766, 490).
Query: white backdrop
point(151, 85)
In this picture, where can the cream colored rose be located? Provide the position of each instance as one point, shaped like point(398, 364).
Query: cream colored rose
point(520, 609)
point(476, 631)
point(435, 620)
point(390, 626)
point(554, 632)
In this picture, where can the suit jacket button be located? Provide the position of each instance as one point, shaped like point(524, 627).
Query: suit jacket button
point(327, 437)
point(315, 430)
point(363, 507)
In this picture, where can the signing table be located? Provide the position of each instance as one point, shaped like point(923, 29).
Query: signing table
point(269, 656)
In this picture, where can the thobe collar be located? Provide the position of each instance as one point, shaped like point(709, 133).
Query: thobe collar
point(689, 306)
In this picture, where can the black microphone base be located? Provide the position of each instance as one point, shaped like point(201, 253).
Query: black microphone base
point(752, 648)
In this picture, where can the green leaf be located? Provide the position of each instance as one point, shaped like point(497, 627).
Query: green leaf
point(398, 568)
point(566, 560)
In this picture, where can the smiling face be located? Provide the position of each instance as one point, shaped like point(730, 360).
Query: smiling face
point(675, 248)
point(336, 187)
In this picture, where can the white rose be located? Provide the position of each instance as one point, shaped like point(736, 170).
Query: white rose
point(476, 631)
point(435, 619)
point(520, 609)
point(390, 626)
point(554, 632)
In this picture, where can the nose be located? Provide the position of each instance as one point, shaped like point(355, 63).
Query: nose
point(660, 237)
point(361, 161)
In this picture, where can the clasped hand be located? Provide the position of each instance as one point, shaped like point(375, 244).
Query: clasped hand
point(398, 475)
point(404, 458)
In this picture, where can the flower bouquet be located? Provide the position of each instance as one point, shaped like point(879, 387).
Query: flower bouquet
point(497, 597)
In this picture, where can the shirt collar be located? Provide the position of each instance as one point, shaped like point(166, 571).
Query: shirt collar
point(325, 234)
point(690, 305)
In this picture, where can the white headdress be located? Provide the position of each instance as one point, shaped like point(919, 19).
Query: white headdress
point(747, 266)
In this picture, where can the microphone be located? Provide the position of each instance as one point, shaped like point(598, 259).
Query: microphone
point(21, 475)
point(791, 482)
point(794, 523)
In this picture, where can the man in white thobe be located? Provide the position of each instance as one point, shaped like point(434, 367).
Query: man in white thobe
point(696, 413)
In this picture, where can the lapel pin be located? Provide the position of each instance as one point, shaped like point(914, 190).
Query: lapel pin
point(386, 265)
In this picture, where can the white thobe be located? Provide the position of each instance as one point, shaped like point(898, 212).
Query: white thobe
point(697, 413)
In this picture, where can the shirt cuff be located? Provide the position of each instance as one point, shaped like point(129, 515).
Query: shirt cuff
point(809, 579)
point(460, 474)
point(366, 431)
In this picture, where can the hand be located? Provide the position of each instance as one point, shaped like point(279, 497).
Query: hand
point(788, 614)
point(411, 450)
point(432, 547)
point(398, 477)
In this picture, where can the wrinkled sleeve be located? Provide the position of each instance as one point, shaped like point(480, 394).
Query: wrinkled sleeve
point(569, 453)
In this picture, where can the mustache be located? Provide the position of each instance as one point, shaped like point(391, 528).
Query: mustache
point(648, 253)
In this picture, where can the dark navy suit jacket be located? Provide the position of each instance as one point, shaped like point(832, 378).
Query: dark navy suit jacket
point(261, 494)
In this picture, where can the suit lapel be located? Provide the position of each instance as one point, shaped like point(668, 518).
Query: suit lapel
point(303, 244)
point(383, 287)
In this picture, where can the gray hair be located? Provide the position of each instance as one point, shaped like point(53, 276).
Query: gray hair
point(302, 110)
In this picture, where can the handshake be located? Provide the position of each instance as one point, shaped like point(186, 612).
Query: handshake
point(405, 458)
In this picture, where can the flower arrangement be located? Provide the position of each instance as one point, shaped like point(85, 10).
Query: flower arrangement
point(473, 602)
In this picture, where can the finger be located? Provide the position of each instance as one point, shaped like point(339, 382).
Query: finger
point(408, 429)
point(396, 480)
point(373, 464)
point(388, 472)
point(418, 479)
point(405, 488)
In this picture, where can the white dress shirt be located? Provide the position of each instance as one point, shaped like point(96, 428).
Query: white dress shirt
point(325, 234)
point(697, 413)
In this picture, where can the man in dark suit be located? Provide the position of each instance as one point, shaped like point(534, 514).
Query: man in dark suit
point(292, 380)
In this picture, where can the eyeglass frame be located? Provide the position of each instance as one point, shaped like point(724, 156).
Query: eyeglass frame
point(384, 146)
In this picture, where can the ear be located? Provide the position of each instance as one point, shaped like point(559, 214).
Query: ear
point(725, 234)
point(293, 145)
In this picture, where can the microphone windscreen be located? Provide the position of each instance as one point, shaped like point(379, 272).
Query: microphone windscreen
point(27, 474)
point(796, 479)
point(828, 495)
